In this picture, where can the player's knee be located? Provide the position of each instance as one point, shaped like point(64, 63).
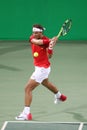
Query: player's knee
point(28, 88)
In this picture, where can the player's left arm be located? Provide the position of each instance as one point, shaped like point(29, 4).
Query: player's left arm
point(40, 41)
point(37, 41)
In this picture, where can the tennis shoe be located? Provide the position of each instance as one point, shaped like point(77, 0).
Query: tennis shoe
point(23, 116)
point(61, 98)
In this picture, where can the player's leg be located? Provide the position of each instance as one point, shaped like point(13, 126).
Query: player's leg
point(30, 86)
point(35, 79)
point(50, 86)
point(53, 88)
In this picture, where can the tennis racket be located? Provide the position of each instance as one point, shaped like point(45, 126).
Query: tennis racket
point(65, 28)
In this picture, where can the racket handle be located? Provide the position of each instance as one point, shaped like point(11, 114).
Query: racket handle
point(59, 34)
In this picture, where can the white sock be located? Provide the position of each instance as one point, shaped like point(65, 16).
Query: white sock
point(26, 110)
point(58, 94)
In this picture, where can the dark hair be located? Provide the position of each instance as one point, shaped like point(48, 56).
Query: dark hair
point(38, 26)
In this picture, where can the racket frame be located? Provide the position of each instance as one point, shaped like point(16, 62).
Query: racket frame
point(61, 30)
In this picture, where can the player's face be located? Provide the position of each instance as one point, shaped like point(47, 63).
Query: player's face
point(37, 35)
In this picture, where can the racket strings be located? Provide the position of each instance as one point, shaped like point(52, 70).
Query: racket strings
point(66, 27)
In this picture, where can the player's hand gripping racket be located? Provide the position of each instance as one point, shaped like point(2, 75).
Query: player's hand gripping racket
point(65, 28)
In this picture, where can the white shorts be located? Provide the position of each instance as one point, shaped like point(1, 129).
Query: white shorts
point(40, 74)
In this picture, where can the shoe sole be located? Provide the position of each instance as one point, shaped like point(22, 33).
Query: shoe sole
point(20, 119)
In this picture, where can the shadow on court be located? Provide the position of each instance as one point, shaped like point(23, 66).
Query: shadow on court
point(8, 47)
point(9, 68)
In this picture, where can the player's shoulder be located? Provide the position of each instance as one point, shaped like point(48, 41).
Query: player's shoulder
point(32, 36)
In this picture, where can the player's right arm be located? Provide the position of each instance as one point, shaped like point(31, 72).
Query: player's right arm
point(44, 41)
point(37, 41)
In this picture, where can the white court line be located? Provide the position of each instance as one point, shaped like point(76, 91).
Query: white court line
point(4, 126)
point(42, 122)
point(6, 122)
point(81, 126)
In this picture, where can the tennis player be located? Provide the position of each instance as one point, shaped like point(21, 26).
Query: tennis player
point(42, 50)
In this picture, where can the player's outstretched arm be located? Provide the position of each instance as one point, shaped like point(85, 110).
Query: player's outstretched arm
point(37, 41)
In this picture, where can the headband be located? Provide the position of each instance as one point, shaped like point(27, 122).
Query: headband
point(37, 29)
